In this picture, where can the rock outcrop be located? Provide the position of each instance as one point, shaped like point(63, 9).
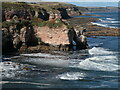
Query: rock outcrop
point(62, 37)
point(40, 29)
point(73, 11)
point(7, 44)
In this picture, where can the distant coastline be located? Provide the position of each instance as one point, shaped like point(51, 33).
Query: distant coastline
point(96, 4)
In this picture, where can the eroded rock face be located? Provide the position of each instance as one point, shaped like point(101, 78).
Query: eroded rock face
point(63, 13)
point(63, 37)
point(13, 40)
point(43, 14)
point(23, 34)
point(15, 14)
point(53, 36)
point(7, 44)
point(59, 37)
point(55, 15)
point(43, 39)
point(73, 11)
point(30, 38)
point(17, 43)
point(27, 36)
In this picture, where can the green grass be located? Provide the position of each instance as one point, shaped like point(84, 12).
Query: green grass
point(55, 24)
point(51, 24)
point(35, 21)
point(7, 24)
point(15, 5)
point(19, 25)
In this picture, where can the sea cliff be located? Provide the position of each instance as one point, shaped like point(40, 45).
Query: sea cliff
point(40, 27)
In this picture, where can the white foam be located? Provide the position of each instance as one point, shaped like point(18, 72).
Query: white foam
point(71, 76)
point(103, 25)
point(14, 82)
point(9, 69)
point(88, 64)
point(41, 55)
point(105, 21)
point(6, 68)
point(112, 22)
point(102, 60)
point(99, 51)
point(110, 19)
point(96, 44)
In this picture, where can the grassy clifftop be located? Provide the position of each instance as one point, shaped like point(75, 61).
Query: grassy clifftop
point(46, 5)
point(15, 5)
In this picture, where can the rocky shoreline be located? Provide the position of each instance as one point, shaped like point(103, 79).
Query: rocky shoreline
point(35, 29)
point(45, 28)
point(91, 29)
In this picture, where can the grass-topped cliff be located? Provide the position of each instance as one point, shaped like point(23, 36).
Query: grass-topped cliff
point(38, 12)
point(15, 5)
point(43, 25)
point(48, 26)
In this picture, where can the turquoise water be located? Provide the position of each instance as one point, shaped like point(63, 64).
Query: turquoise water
point(96, 67)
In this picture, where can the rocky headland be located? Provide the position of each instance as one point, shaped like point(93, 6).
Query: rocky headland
point(39, 27)
point(44, 27)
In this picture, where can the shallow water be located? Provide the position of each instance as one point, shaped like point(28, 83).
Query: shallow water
point(93, 68)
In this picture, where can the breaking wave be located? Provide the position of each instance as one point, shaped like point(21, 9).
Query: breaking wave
point(103, 25)
point(99, 50)
point(110, 18)
point(101, 60)
point(109, 21)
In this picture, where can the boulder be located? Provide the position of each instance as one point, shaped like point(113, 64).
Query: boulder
point(23, 34)
point(16, 41)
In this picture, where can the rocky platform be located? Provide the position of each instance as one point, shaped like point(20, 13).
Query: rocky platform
point(91, 29)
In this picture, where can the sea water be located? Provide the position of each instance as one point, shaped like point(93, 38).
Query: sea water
point(96, 67)
point(106, 19)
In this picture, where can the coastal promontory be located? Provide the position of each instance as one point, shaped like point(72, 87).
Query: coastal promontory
point(40, 27)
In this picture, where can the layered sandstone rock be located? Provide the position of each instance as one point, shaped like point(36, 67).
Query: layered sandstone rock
point(53, 36)
point(39, 29)
point(63, 37)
